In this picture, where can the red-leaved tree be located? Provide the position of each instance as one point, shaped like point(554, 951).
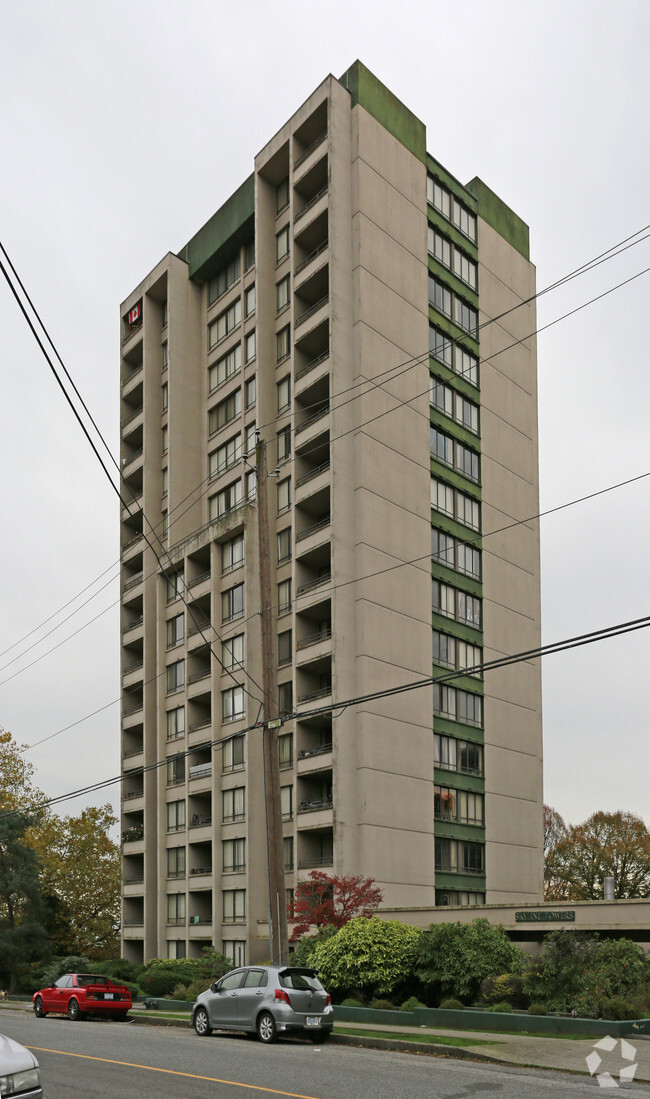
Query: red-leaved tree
point(325, 900)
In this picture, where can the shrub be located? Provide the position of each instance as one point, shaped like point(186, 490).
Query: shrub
point(305, 947)
point(452, 1005)
point(453, 959)
point(506, 986)
point(503, 1006)
point(616, 1007)
point(118, 969)
point(372, 956)
point(577, 971)
point(411, 1004)
point(179, 992)
point(161, 976)
point(537, 1009)
point(74, 963)
point(352, 1001)
point(195, 989)
point(383, 1005)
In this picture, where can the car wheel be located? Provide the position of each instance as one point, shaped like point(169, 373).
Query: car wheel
point(319, 1037)
point(38, 1008)
point(202, 1023)
point(266, 1028)
point(74, 1011)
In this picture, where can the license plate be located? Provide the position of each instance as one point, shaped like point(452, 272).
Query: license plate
point(313, 1020)
point(108, 995)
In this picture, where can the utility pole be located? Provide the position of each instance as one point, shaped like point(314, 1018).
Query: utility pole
point(277, 895)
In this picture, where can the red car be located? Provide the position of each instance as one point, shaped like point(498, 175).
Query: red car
point(79, 994)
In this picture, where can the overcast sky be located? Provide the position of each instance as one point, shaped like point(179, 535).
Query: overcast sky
point(126, 125)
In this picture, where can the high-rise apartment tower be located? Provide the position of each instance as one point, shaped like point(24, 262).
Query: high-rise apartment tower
point(372, 318)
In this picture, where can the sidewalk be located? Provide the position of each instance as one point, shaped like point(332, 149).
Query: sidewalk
point(566, 1054)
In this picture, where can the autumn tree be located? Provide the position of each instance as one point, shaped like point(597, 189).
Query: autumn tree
point(81, 870)
point(17, 790)
point(332, 901)
point(555, 830)
point(606, 845)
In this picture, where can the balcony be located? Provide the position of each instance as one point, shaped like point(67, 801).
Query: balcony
point(310, 149)
point(133, 834)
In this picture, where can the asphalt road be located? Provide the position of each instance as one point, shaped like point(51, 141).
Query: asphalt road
point(97, 1060)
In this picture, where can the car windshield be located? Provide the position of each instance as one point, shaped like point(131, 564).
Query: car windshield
point(84, 979)
point(303, 980)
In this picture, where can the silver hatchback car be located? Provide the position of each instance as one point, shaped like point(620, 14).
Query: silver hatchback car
point(268, 1001)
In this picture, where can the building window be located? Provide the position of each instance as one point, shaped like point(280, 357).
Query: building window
point(175, 676)
point(164, 311)
point(284, 597)
point(174, 586)
point(287, 851)
point(225, 323)
point(283, 343)
point(464, 220)
point(468, 560)
point(234, 905)
point(282, 294)
point(232, 603)
point(232, 554)
point(164, 396)
point(439, 296)
point(232, 652)
point(286, 802)
point(176, 862)
point(440, 346)
point(439, 247)
point(466, 317)
point(466, 461)
point(232, 754)
point(284, 495)
point(282, 195)
point(250, 444)
point(234, 855)
point(285, 648)
point(459, 705)
point(232, 704)
point(176, 770)
point(234, 804)
point(458, 897)
point(165, 523)
point(224, 368)
point(249, 301)
point(457, 604)
point(456, 504)
point(284, 443)
point(442, 497)
point(285, 750)
point(165, 439)
point(226, 278)
point(461, 806)
point(282, 244)
point(284, 545)
point(441, 446)
point(175, 630)
point(285, 698)
point(176, 816)
point(224, 412)
point(453, 652)
point(224, 457)
point(251, 485)
point(454, 454)
point(465, 268)
point(443, 548)
point(164, 355)
point(227, 500)
point(249, 257)
point(176, 908)
point(459, 856)
point(251, 346)
point(438, 197)
point(251, 392)
point(164, 481)
point(451, 404)
point(176, 723)
point(451, 754)
point(235, 951)
point(466, 365)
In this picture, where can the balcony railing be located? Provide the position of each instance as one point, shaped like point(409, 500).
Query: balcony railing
point(323, 692)
point(312, 309)
point(132, 835)
point(198, 870)
point(312, 255)
point(312, 202)
point(132, 457)
point(133, 794)
point(315, 861)
point(324, 579)
point(196, 676)
point(133, 752)
point(320, 525)
point(310, 148)
point(198, 626)
point(315, 472)
point(313, 806)
point(133, 710)
point(312, 419)
point(204, 723)
point(128, 419)
point(198, 579)
point(314, 638)
point(201, 770)
point(198, 821)
point(133, 623)
point(133, 582)
point(322, 749)
point(133, 667)
point(312, 364)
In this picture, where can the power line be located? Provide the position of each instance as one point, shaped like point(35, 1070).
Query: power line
point(577, 641)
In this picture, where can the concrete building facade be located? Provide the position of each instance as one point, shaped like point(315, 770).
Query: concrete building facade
point(372, 319)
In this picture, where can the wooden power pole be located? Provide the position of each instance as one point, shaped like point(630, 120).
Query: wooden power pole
point(277, 895)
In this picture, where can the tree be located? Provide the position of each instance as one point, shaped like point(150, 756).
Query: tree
point(81, 869)
point(325, 900)
point(23, 937)
point(555, 830)
point(607, 845)
point(371, 956)
point(16, 788)
point(453, 959)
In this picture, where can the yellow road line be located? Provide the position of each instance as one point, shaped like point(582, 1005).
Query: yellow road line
point(174, 1072)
